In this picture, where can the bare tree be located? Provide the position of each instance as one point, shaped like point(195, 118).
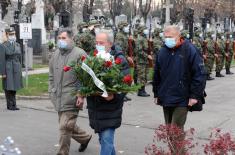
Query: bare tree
point(145, 8)
point(115, 7)
point(87, 9)
point(4, 5)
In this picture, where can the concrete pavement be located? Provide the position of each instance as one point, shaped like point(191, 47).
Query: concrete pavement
point(35, 127)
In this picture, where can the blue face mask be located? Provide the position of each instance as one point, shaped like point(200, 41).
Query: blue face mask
point(62, 44)
point(100, 48)
point(170, 42)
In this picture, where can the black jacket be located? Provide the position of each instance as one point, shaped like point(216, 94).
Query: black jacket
point(107, 114)
point(179, 74)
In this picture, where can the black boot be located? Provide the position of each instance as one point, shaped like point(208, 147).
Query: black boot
point(142, 92)
point(218, 74)
point(228, 71)
point(126, 98)
point(209, 77)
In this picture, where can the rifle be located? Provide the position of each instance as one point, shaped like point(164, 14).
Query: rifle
point(131, 45)
point(204, 50)
point(150, 44)
point(216, 50)
point(227, 50)
point(234, 49)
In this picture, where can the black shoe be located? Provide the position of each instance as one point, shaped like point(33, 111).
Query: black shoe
point(209, 78)
point(13, 108)
point(143, 93)
point(228, 72)
point(83, 147)
point(126, 98)
point(218, 74)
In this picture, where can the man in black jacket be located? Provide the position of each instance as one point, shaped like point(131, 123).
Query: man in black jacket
point(105, 114)
point(179, 77)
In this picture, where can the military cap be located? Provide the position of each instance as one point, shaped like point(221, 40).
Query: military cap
point(82, 25)
point(10, 30)
point(141, 28)
point(156, 31)
point(94, 22)
point(122, 24)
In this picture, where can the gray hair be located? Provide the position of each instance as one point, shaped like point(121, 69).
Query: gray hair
point(109, 34)
point(172, 27)
point(69, 32)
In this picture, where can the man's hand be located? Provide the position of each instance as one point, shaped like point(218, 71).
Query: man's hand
point(80, 102)
point(130, 61)
point(109, 98)
point(156, 101)
point(226, 54)
point(192, 102)
point(204, 56)
point(216, 55)
point(150, 57)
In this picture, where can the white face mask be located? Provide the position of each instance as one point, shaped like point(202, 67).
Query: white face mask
point(201, 35)
point(222, 37)
point(187, 36)
point(126, 29)
point(161, 35)
point(12, 38)
point(146, 32)
point(231, 36)
point(97, 30)
point(84, 29)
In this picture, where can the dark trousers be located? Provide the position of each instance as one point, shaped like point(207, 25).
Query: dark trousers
point(175, 115)
point(11, 98)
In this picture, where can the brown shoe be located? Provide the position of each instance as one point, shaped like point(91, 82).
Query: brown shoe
point(83, 147)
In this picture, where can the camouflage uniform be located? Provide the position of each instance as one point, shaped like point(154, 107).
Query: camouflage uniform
point(221, 56)
point(230, 55)
point(210, 55)
point(197, 41)
point(157, 43)
point(121, 38)
point(80, 28)
point(141, 59)
point(86, 40)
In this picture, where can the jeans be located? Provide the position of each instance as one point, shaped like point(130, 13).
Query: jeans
point(106, 139)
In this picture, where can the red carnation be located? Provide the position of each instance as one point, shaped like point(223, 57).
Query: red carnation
point(127, 79)
point(83, 58)
point(95, 53)
point(67, 68)
point(118, 61)
point(108, 64)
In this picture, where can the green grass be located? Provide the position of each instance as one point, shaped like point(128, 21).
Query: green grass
point(38, 85)
point(37, 66)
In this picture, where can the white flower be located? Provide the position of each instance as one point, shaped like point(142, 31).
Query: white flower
point(106, 56)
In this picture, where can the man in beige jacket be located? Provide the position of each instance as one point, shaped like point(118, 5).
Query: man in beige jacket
point(61, 84)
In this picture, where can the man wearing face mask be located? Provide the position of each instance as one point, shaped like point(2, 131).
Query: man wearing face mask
point(105, 113)
point(198, 41)
point(179, 77)
point(221, 55)
point(82, 27)
point(121, 39)
point(11, 68)
point(211, 55)
point(86, 40)
point(141, 57)
point(61, 85)
point(229, 53)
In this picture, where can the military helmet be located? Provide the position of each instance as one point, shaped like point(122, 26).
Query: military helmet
point(141, 28)
point(197, 33)
point(94, 23)
point(82, 25)
point(157, 31)
point(185, 34)
point(122, 24)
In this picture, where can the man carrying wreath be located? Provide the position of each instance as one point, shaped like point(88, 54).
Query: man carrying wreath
point(105, 113)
